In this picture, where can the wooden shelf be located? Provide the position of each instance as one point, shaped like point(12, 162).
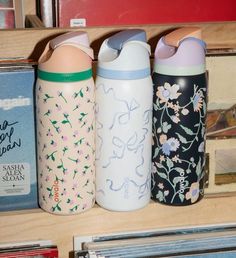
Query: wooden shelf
point(37, 224)
point(31, 42)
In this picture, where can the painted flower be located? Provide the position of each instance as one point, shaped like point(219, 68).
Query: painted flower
point(172, 144)
point(154, 169)
point(75, 133)
point(163, 138)
point(193, 192)
point(197, 102)
point(176, 108)
point(64, 138)
point(175, 119)
point(167, 92)
point(161, 186)
point(166, 192)
point(162, 158)
point(185, 111)
point(176, 159)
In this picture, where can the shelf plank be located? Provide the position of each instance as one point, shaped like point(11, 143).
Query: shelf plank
point(37, 224)
point(31, 42)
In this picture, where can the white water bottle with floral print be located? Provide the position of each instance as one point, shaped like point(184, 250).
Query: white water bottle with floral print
point(65, 125)
point(123, 122)
point(180, 89)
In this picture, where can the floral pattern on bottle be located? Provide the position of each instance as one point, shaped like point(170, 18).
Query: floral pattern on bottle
point(66, 148)
point(178, 139)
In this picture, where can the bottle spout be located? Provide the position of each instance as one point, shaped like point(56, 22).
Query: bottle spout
point(69, 52)
point(118, 40)
point(175, 37)
point(77, 39)
point(181, 52)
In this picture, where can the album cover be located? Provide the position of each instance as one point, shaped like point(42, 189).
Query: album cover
point(18, 181)
point(203, 241)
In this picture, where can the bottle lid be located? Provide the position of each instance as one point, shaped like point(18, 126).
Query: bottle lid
point(125, 56)
point(68, 53)
point(182, 52)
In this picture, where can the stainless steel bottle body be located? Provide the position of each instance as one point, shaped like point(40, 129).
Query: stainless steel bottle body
point(123, 143)
point(179, 114)
point(66, 150)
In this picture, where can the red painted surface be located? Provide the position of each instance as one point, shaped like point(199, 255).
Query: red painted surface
point(128, 12)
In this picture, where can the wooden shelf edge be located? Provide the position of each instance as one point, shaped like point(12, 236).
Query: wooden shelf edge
point(37, 224)
point(31, 42)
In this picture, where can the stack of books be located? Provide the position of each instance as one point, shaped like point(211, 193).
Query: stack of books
point(42, 249)
point(210, 241)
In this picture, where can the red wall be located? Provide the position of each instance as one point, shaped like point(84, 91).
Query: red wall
point(120, 12)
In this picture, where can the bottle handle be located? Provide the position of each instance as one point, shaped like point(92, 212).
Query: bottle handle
point(175, 37)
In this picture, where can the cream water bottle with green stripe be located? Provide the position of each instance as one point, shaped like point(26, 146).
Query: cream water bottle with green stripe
point(65, 125)
point(180, 89)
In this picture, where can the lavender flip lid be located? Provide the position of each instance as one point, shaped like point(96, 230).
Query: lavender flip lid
point(182, 52)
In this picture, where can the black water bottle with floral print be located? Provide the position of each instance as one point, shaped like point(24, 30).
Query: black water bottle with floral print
point(179, 113)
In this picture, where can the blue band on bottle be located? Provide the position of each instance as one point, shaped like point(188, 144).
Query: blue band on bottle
point(123, 75)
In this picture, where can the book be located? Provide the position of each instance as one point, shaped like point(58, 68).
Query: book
point(199, 241)
point(11, 14)
point(40, 248)
point(18, 180)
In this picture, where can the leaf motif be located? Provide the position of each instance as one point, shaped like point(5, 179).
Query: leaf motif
point(203, 131)
point(54, 122)
point(176, 180)
point(160, 196)
point(155, 107)
point(81, 93)
point(159, 165)
point(59, 208)
point(156, 153)
point(181, 197)
point(180, 170)
point(60, 166)
point(162, 175)
point(169, 163)
point(181, 138)
point(199, 168)
point(187, 130)
point(204, 107)
point(65, 122)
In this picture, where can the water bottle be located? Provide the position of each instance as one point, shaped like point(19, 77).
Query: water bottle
point(179, 114)
point(65, 104)
point(123, 122)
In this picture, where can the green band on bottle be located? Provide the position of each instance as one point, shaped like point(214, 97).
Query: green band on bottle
point(65, 77)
